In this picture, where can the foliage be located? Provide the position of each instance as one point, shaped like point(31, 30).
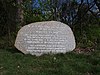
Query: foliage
point(7, 16)
point(8, 24)
point(81, 17)
point(89, 37)
point(84, 22)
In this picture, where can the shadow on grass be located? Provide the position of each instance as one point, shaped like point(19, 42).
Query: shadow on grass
point(13, 50)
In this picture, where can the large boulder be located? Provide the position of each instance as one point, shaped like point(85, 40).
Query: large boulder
point(45, 37)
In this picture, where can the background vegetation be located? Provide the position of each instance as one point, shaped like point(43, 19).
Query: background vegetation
point(83, 16)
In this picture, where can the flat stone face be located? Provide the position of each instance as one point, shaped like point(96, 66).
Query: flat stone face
point(45, 37)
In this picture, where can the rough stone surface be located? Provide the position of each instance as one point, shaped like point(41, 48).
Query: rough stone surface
point(45, 37)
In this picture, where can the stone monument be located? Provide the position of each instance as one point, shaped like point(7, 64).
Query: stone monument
point(45, 37)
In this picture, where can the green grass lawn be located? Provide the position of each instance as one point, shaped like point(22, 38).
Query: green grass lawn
point(13, 62)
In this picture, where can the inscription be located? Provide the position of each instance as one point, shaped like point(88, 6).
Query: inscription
point(45, 37)
point(42, 41)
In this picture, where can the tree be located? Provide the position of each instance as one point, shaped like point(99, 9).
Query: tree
point(7, 20)
point(20, 17)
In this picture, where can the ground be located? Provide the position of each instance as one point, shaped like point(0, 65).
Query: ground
point(13, 62)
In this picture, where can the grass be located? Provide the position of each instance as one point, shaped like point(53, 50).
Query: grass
point(13, 62)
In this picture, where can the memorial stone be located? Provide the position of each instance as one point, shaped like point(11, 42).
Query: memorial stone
point(45, 37)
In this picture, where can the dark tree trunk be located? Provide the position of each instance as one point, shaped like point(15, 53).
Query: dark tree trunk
point(20, 12)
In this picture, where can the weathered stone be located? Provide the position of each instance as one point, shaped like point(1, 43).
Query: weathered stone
point(45, 37)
